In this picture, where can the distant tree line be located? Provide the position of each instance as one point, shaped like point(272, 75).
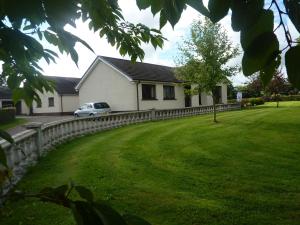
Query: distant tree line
point(255, 88)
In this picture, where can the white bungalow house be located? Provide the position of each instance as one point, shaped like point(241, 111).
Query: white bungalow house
point(140, 86)
point(123, 85)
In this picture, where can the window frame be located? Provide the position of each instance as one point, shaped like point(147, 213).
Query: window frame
point(172, 93)
point(51, 105)
point(154, 92)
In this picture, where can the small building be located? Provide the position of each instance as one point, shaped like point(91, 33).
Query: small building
point(6, 101)
point(63, 100)
point(141, 86)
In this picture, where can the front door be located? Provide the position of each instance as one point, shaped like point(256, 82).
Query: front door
point(18, 108)
point(187, 98)
point(188, 101)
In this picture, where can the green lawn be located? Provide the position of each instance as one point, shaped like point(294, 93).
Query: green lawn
point(12, 124)
point(243, 170)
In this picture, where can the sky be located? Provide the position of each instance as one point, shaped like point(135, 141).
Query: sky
point(66, 67)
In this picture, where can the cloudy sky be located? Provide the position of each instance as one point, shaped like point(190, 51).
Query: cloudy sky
point(66, 67)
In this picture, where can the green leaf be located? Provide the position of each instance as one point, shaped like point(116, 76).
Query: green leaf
point(199, 6)
point(260, 51)
point(218, 9)
point(6, 136)
point(74, 56)
point(85, 214)
point(143, 4)
point(269, 70)
point(245, 13)
point(3, 157)
point(292, 57)
point(108, 215)
point(162, 20)
point(263, 24)
point(134, 220)
point(293, 11)
point(84, 193)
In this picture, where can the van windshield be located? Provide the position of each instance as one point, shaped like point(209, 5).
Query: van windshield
point(101, 105)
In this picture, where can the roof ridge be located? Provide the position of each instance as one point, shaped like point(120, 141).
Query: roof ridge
point(61, 77)
point(172, 67)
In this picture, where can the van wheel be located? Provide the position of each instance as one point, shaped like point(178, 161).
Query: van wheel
point(92, 114)
point(76, 115)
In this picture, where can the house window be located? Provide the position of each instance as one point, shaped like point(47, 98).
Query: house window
point(39, 104)
point(169, 92)
point(51, 102)
point(148, 92)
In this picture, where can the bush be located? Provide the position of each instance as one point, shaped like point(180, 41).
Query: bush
point(7, 114)
point(256, 101)
point(283, 98)
point(252, 102)
point(231, 101)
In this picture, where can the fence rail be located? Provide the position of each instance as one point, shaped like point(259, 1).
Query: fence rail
point(39, 138)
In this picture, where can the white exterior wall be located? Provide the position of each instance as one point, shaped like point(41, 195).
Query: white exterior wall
point(45, 108)
point(24, 108)
point(206, 99)
point(70, 103)
point(105, 84)
point(224, 93)
point(160, 103)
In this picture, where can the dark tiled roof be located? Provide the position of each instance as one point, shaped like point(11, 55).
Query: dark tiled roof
point(65, 85)
point(143, 71)
point(5, 93)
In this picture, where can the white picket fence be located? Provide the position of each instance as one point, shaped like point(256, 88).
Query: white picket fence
point(39, 138)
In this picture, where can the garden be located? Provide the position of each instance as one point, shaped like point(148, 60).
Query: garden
point(242, 170)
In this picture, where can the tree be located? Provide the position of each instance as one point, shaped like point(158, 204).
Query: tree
point(254, 87)
point(2, 82)
point(254, 19)
point(25, 27)
point(204, 59)
point(231, 91)
point(23, 22)
point(278, 84)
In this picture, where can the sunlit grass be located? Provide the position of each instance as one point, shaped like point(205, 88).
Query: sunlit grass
point(243, 170)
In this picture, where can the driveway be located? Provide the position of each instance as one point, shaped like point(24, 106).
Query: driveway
point(41, 119)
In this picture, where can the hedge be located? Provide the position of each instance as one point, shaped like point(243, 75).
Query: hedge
point(7, 114)
point(284, 98)
point(261, 100)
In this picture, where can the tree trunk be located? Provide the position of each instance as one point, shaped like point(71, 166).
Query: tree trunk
point(214, 108)
point(277, 104)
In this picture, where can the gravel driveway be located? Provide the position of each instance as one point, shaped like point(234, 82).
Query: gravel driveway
point(42, 119)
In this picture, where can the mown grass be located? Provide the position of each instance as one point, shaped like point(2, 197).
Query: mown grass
point(12, 124)
point(243, 170)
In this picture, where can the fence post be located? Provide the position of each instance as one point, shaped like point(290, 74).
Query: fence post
point(39, 136)
point(153, 114)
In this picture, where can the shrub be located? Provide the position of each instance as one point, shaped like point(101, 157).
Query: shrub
point(290, 97)
point(7, 114)
point(283, 98)
point(256, 101)
point(252, 102)
point(231, 101)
